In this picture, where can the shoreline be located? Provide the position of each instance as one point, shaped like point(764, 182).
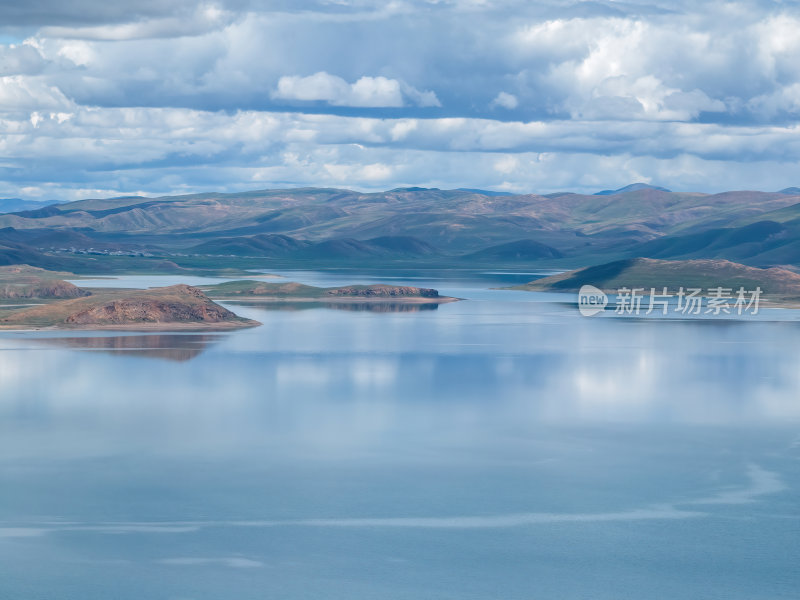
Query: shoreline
point(340, 299)
point(154, 327)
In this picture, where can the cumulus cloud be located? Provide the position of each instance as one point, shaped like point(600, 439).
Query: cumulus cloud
point(205, 18)
point(19, 93)
point(20, 59)
point(785, 100)
point(679, 65)
point(646, 97)
point(62, 154)
point(528, 96)
point(505, 100)
point(366, 92)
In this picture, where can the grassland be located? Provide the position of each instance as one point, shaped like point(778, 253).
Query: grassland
point(779, 286)
point(322, 228)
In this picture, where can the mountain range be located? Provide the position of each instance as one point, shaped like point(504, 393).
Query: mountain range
point(8, 205)
point(409, 226)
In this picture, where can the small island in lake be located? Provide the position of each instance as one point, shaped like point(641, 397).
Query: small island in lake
point(173, 307)
point(298, 292)
point(33, 298)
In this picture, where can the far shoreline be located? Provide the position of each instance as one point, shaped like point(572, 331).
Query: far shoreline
point(341, 299)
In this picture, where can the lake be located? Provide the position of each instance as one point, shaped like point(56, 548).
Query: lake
point(503, 447)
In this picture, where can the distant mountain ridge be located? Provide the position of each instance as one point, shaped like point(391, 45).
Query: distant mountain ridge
point(634, 187)
point(647, 274)
point(485, 192)
point(10, 205)
point(515, 251)
point(413, 224)
point(283, 246)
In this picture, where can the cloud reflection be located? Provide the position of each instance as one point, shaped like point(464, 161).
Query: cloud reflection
point(373, 306)
point(172, 347)
point(234, 562)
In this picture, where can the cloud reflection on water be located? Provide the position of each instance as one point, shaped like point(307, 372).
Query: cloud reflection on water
point(173, 347)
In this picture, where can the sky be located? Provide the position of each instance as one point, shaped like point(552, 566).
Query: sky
point(159, 97)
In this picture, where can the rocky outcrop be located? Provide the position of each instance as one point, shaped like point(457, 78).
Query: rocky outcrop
point(383, 291)
point(44, 290)
point(175, 304)
point(24, 282)
point(298, 291)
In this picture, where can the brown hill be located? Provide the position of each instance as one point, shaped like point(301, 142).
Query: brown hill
point(177, 305)
point(383, 291)
point(24, 282)
point(453, 220)
point(298, 291)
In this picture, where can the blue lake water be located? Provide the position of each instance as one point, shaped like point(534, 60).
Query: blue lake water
point(503, 447)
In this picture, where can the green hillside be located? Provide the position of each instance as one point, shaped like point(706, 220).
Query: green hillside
point(409, 225)
point(650, 273)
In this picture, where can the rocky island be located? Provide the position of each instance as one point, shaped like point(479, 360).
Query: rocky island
point(298, 292)
point(35, 298)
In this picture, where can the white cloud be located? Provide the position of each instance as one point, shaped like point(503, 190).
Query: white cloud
point(64, 154)
point(78, 52)
point(424, 99)
point(22, 93)
point(320, 86)
point(505, 100)
point(159, 132)
point(20, 59)
point(145, 99)
point(786, 99)
point(207, 17)
point(373, 91)
point(351, 172)
point(646, 97)
point(401, 129)
point(365, 92)
point(506, 165)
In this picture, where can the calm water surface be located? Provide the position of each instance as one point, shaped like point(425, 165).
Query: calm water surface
point(498, 448)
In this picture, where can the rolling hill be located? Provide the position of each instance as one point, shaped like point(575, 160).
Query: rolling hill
point(177, 306)
point(26, 282)
point(634, 187)
point(415, 225)
point(8, 205)
point(520, 250)
point(649, 273)
point(283, 246)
